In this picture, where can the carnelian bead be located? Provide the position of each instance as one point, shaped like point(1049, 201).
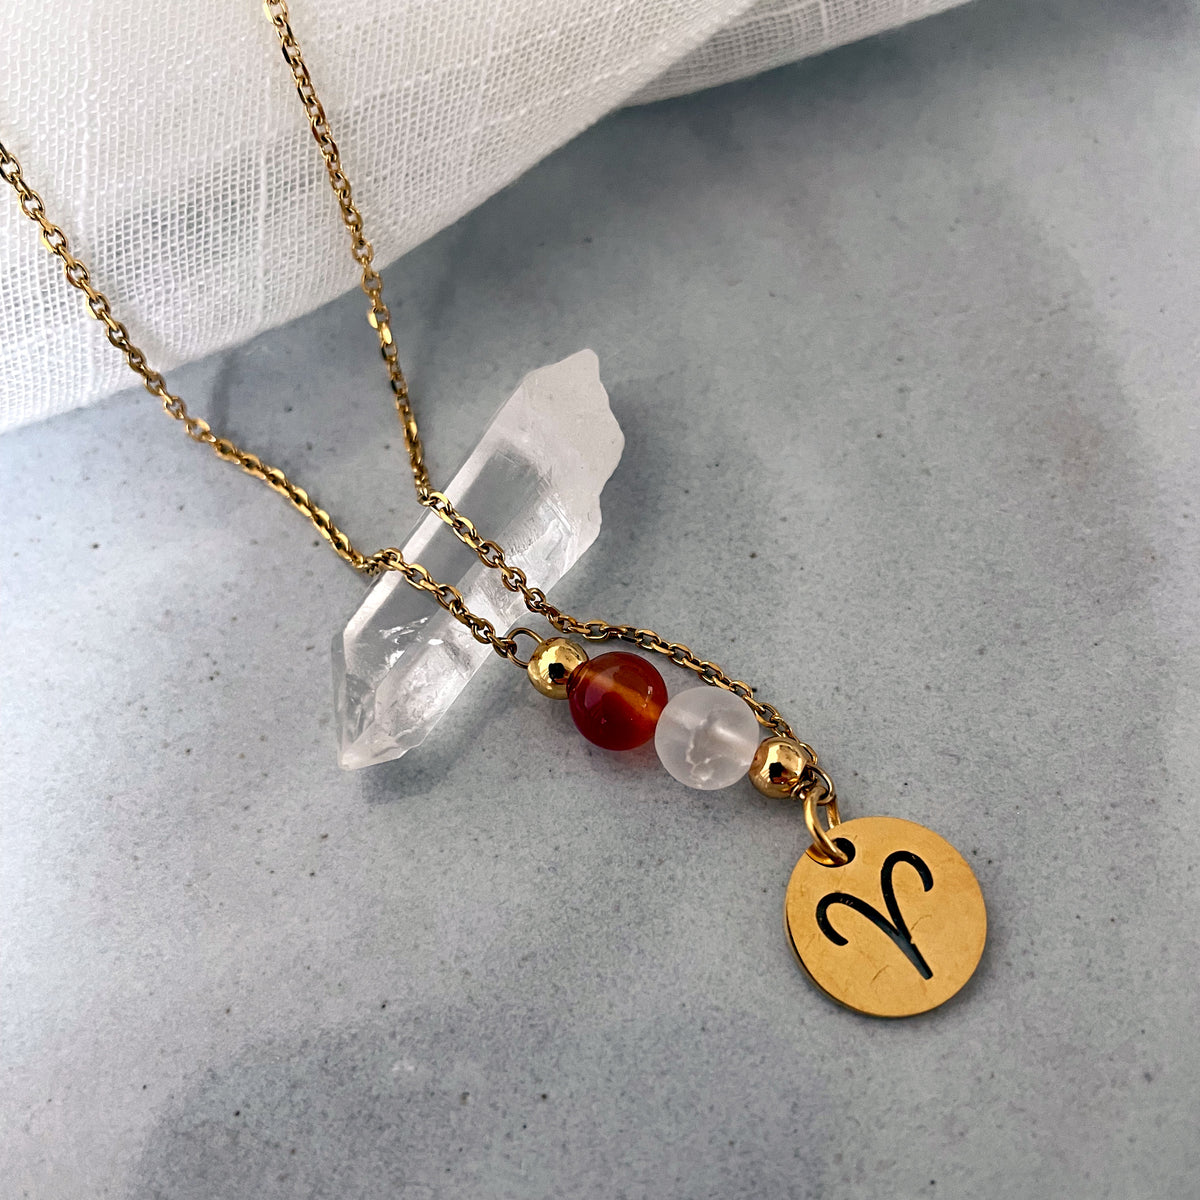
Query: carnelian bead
point(616, 700)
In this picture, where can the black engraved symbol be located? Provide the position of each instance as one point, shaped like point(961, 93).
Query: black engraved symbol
point(896, 929)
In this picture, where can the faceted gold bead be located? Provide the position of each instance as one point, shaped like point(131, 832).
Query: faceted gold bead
point(551, 664)
point(777, 765)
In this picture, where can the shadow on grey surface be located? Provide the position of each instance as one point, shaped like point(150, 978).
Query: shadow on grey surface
point(417, 1103)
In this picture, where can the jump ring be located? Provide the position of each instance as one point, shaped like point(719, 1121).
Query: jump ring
point(829, 792)
point(824, 849)
point(512, 633)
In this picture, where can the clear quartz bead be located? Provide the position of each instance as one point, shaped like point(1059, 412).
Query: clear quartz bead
point(706, 737)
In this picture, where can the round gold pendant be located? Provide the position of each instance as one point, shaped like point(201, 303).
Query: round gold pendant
point(895, 931)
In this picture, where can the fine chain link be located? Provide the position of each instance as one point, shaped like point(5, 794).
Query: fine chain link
point(390, 559)
point(489, 552)
point(76, 273)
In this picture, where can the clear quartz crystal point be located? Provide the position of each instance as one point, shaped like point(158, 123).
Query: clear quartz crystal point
point(532, 484)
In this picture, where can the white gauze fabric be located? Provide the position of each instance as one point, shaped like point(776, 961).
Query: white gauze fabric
point(168, 143)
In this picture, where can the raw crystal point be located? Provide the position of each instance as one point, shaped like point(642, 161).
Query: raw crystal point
point(532, 484)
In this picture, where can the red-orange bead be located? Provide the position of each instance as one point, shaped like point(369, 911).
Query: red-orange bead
point(616, 700)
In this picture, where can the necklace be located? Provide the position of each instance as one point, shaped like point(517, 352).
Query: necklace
point(919, 923)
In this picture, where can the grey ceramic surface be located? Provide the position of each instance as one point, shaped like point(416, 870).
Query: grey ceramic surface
point(904, 343)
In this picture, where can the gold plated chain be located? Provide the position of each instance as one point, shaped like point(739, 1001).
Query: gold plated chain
point(908, 957)
point(390, 558)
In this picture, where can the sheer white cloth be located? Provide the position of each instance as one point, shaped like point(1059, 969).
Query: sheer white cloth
point(166, 140)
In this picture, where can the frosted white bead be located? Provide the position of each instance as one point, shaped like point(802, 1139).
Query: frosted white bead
point(706, 737)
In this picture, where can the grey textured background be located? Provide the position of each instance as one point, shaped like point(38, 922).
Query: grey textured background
point(904, 343)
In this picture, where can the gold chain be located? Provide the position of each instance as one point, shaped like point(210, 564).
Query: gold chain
point(389, 559)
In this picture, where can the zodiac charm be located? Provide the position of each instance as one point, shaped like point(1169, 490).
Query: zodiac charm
point(897, 928)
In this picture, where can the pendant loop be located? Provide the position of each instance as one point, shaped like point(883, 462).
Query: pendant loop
point(824, 849)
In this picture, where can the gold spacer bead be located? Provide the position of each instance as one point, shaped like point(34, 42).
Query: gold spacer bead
point(777, 765)
point(551, 664)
